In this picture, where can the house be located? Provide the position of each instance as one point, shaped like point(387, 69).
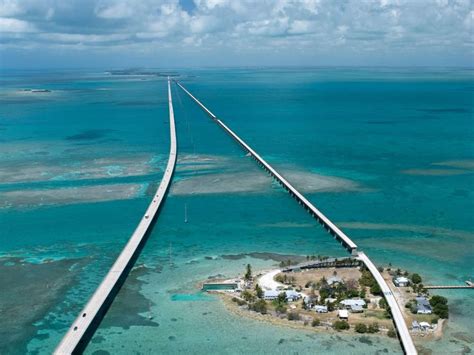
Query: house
point(321, 309)
point(292, 296)
point(357, 309)
point(401, 281)
point(270, 295)
point(355, 306)
point(415, 325)
point(343, 314)
point(334, 280)
point(423, 306)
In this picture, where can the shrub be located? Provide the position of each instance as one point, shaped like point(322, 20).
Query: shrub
point(391, 333)
point(415, 278)
point(260, 306)
point(316, 322)
point(360, 328)
point(258, 291)
point(438, 300)
point(434, 320)
point(238, 301)
point(440, 306)
point(375, 289)
point(249, 297)
point(248, 273)
point(340, 325)
point(282, 298)
point(373, 328)
point(280, 308)
point(293, 316)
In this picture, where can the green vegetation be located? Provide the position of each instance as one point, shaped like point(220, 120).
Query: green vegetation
point(285, 279)
point(248, 296)
point(375, 289)
point(316, 322)
point(258, 291)
point(391, 333)
point(373, 328)
point(340, 325)
point(440, 306)
point(238, 301)
point(280, 308)
point(360, 328)
point(368, 280)
point(293, 316)
point(248, 273)
point(260, 306)
point(288, 262)
point(280, 303)
point(416, 279)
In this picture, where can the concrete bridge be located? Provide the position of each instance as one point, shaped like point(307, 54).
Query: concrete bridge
point(83, 328)
point(348, 244)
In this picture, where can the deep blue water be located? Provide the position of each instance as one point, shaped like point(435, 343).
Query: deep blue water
point(392, 147)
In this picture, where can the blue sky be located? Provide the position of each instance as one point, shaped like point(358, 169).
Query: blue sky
point(181, 33)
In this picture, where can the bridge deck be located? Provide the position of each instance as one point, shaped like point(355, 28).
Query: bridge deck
point(347, 242)
point(405, 338)
point(78, 336)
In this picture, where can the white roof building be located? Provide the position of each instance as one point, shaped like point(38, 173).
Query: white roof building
point(343, 314)
point(350, 302)
point(401, 281)
point(321, 309)
point(270, 295)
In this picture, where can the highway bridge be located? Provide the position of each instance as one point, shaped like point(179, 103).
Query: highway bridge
point(348, 244)
point(83, 328)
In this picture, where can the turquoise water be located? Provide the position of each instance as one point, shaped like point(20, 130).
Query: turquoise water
point(385, 153)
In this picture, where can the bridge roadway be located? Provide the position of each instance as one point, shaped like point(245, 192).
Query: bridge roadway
point(402, 329)
point(83, 328)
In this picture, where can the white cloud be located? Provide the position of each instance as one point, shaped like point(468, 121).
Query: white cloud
point(15, 26)
point(308, 27)
point(9, 8)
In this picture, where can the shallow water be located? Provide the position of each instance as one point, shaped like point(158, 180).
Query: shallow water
point(387, 154)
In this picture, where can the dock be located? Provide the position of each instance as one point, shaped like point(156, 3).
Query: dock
point(83, 328)
point(400, 325)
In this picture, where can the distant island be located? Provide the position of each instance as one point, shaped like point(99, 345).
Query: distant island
point(333, 294)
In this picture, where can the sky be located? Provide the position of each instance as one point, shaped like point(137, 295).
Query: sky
point(207, 33)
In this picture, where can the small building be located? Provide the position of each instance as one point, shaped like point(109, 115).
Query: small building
point(271, 295)
point(309, 301)
point(292, 296)
point(356, 309)
point(415, 325)
point(321, 309)
point(343, 314)
point(348, 303)
point(401, 281)
point(425, 326)
point(333, 280)
point(355, 306)
point(423, 306)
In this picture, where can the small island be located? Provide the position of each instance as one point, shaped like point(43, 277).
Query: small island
point(332, 294)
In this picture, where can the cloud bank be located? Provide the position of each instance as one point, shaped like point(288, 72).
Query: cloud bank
point(236, 32)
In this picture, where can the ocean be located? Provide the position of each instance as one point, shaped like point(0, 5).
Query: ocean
point(386, 153)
